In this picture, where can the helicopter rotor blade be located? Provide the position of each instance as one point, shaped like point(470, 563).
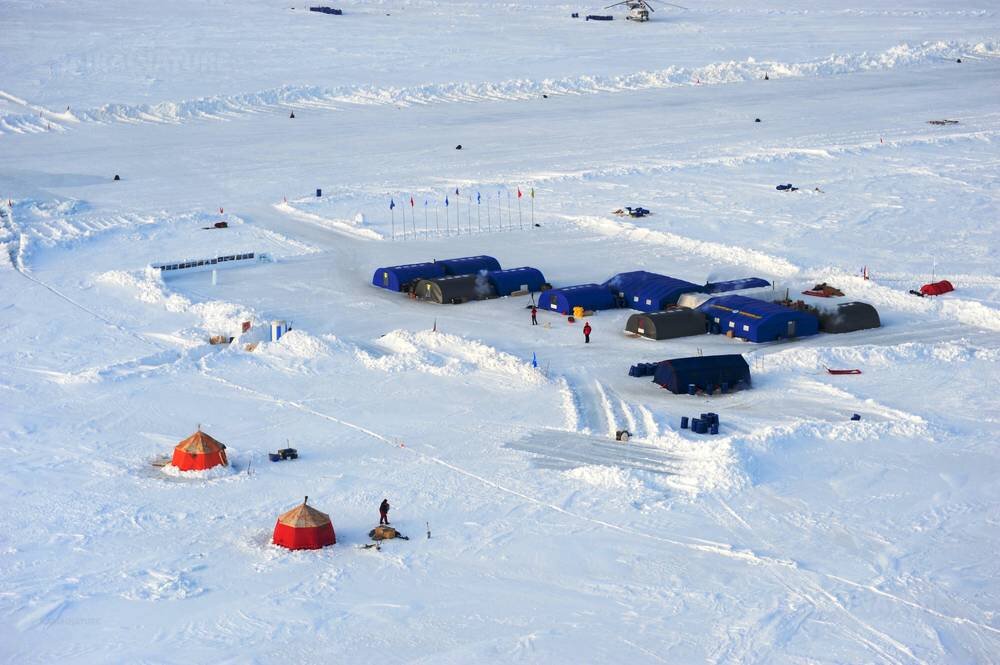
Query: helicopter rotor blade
point(671, 5)
point(617, 3)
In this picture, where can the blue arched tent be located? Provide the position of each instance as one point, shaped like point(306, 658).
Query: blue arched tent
point(506, 282)
point(756, 320)
point(589, 296)
point(705, 373)
point(649, 291)
point(399, 278)
point(468, 265)
point(736, 285)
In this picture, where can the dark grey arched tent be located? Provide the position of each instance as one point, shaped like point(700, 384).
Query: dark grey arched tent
point(679, 322)
point(455, 289)
point(848, 317)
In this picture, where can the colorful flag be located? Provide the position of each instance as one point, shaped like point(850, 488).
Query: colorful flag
point(425, 203)
point(411, 201)
point(532, 192)
point(445, 200)
point(456, 191)
point(479, 198)
point(518, 192)
point(392, 204)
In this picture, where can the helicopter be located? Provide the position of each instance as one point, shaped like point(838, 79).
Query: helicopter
point(639, 10)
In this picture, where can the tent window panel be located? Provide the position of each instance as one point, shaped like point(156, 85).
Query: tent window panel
point(732, 324)
point(746, 328)
point(641, 330)
point(553, 306)
point(635, 298)
point(648, 301)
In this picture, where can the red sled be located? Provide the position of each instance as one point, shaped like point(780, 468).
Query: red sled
point(843, 371)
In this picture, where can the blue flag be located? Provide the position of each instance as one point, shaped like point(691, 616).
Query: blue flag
point(392, 204)
point(534, 359)
point(446, 201)
point(479, 198)
point(456, 191)
point(425, 203)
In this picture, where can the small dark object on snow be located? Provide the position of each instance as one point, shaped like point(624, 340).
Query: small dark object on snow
point(328, 10)
point(623, 435)
point(221, 225)
point(292, 114)
point(766, 78)
point(538, 225)
point(942, 122)
point(959, 61)
point(284, 453)
point(856, 417)
point(599, 17)
point(575, 15)
point(917, 293)
point(458, 147)
point(787, 188)
point(385, 533)
point(544, 96)
point(117, 177)
point(756, 119)
point(638, 211)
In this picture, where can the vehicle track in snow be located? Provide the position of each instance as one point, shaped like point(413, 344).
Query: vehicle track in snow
point(810, 591)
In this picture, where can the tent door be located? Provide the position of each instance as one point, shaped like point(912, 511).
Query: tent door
point(385, 279)
point(791, 328)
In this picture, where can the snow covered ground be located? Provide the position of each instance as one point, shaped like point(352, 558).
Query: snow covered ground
point(795, 535)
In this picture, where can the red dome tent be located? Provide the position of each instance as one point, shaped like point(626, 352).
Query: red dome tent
point(937, 288)
point(199, 452)
point(304, 528)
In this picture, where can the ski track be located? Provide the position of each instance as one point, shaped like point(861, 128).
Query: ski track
point(38, 119)
point(769, 563)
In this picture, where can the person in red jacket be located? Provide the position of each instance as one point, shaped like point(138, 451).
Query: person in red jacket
point(586, 332)
point(534, 315)
point(383, 511)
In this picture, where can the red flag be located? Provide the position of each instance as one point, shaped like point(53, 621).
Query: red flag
point(518, 192)
point(220, 211)
point(411, 201)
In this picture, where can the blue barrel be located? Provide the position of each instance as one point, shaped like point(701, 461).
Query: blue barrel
point(319, 192)
point(684, 422)
point(691, 388)
point(714, 429)
point(695, 425)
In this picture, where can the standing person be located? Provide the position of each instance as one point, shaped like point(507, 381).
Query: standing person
point(383, 511)
point(534, 315)
point(586, 332)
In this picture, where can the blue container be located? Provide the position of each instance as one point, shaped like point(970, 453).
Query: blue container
point(319, 192)
point(684, 422)
point(695, 425)
point(714, 429)
point(725, 387)
point(856, 417)
point(692, 388)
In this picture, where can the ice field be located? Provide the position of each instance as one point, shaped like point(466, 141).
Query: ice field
point(795, 535)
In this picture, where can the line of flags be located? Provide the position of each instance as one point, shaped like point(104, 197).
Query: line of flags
point(479, 198)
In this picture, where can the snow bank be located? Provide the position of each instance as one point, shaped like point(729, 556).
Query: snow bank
point(206, 474)
point(902, 55)
point(445, 354)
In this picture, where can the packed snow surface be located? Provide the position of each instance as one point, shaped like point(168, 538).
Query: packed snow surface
point(795, 535)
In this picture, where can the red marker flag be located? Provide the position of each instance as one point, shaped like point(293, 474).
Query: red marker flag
point(411, 201)
point(518, 192)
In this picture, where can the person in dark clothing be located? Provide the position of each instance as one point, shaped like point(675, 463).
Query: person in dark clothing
point(534, 315)
point(586, 332)
point(383, 511)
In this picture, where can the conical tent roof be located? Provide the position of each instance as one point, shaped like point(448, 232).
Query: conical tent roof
point(304, 516)
point(200, 443)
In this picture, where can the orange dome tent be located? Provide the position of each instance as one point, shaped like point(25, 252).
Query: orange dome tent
point(304, 528)
point(199, 452)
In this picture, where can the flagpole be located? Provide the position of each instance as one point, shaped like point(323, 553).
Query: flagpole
point(479, 214)
point(510, 220)
point(437, 219)
point(470, 214)
point(392, 212)
point(404, 224)
point(489, 223)
point(499, 211)
point(520, 226)
point(427, 229)
point(447, 224)
point(532, 207)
